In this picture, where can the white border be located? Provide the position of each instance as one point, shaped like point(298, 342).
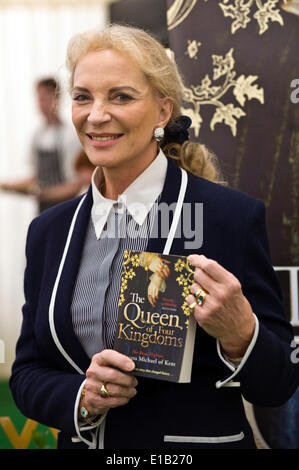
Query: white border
point(237, 369)
point(54, 292)
point(177, 213)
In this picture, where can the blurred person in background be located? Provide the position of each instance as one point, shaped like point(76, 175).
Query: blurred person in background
point(83, 169)
point(53, 150)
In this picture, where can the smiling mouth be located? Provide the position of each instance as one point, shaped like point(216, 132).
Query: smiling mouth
point(104, 138)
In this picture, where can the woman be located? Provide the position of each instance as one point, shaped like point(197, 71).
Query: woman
point(126, 97)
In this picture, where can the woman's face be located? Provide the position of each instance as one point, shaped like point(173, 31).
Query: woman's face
point(115, 111)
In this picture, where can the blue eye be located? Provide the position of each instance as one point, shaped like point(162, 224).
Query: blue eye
point(123, 97)
point(80, 98)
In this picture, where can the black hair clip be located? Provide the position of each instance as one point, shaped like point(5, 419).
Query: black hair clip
point(177, 132)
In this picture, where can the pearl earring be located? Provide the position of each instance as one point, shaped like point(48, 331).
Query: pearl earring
point(159, 134)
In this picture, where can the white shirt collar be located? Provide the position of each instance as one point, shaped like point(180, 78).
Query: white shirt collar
point(138, 198)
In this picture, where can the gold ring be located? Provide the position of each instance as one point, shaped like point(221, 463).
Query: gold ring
point(200, 296)
point(104, 392)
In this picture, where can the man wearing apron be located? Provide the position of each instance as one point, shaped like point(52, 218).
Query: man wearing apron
point(54, 149)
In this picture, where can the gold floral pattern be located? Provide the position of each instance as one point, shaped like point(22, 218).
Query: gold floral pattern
point(131, 260)
point(209, 93)
point(178, 11)
point(184, 280)
point(238, 10)
point(192, 48)
point(291, 6)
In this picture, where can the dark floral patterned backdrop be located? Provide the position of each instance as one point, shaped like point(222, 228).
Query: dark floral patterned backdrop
point(239, 59)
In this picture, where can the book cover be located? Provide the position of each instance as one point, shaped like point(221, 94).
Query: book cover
point(156, 327)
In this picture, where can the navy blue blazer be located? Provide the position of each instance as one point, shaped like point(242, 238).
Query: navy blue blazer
point(45, 380)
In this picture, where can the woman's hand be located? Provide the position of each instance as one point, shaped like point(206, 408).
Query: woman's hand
point(104, 367)
point(154, 289)
point(160, 267)
point(225, 313)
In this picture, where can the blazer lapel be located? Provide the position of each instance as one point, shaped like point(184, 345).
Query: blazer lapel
point(62, 308)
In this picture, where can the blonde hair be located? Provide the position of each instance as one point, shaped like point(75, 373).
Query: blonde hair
point(162, 74)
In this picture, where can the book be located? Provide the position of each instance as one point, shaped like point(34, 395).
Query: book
point(155, 326)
